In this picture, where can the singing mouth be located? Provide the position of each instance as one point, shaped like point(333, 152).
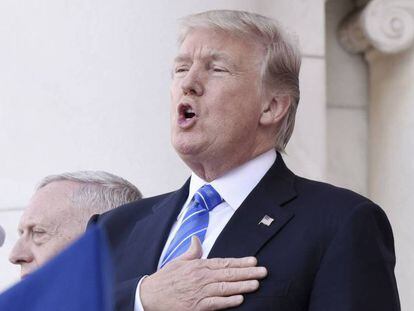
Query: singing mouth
point(186, 116)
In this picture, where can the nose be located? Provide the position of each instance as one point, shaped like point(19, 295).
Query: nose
point(192, 83)
point(21, 253)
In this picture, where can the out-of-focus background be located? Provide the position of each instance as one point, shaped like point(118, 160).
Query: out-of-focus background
point(85, 85)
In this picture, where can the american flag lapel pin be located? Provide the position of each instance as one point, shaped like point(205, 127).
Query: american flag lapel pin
point(266, 220)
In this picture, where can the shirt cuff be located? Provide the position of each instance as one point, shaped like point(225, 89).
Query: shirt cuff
point(138, 304)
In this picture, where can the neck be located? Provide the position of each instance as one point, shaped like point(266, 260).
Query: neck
point(212, 168)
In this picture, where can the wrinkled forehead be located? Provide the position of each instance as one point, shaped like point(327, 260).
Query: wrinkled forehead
point(219, 45)
point(203, 53)
point(49, 204)
point(37, 215)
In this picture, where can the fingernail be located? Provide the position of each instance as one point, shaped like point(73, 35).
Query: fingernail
point(263, 270)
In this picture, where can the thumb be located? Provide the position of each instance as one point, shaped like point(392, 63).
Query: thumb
point(194, 251)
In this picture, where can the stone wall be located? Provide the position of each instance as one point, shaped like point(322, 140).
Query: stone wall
point(347, 106)
point(383, 32)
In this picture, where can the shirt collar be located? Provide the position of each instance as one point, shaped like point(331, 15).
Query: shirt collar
point(236, 185)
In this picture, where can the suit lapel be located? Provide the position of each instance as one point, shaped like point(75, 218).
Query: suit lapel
point(243, 235)
point(150, 234)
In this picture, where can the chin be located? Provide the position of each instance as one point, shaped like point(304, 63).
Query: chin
point(185, 150)
point(185, 147)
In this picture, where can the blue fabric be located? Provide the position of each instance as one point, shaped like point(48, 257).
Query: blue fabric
point(195, 222)
point(80, 278)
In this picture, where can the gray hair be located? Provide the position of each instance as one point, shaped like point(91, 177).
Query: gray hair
point(281, 63)
point(98, 191)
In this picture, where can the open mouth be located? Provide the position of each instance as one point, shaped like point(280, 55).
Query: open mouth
point(186, 115)
point(186, 111)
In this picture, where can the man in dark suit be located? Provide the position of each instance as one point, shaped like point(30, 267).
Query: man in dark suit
point(234, 96)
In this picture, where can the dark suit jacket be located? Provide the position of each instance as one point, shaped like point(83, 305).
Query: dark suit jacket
point(327, 249)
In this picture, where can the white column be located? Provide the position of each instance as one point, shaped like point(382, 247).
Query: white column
point(384, 31)
point(391, 170)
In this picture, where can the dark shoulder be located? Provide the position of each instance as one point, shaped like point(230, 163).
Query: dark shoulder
point(133, 210)
point(125, 216)
point(327, 195)
point(119, 222)
point(330, 207)
point(324, 211)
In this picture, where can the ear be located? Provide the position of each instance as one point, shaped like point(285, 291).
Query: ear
point(274, 110)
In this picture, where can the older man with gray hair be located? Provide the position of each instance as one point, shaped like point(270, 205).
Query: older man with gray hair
point(245, 231)
point(59, 210)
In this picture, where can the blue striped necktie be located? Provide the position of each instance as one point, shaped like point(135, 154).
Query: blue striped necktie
point(195, 222)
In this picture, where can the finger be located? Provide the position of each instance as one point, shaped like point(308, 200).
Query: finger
point(220, 263)
point(194, 251)
point(237, 274)
point(223, 289)
point(219, 303)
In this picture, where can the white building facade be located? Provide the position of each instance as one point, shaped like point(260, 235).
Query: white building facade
point(85, 85)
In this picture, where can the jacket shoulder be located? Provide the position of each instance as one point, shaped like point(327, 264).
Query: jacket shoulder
point(327, 208)
point(330, 195)
point(125, 216)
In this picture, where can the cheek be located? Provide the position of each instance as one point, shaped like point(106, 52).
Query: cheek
point(236, 108)
point(173, 103)
point(174, 91)
point(42, 254)
point(49, 250)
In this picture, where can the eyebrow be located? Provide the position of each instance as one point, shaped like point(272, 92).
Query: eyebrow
point(213, 55)
point(29, 225)
point(182, 58)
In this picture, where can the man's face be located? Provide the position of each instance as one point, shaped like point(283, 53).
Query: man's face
point(216, 96)
point(48, 224)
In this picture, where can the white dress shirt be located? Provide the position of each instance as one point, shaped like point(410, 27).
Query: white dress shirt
point(233, 187)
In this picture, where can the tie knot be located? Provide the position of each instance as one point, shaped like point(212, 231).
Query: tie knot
point(207, 197)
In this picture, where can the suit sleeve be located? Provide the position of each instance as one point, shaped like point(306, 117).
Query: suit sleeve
point(357, 270)
point(125, 294)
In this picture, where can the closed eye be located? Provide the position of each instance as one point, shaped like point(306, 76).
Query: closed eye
point(38, 233)
point(220, 70)
point(39, 236)
point(178, 70)
point(181, 67)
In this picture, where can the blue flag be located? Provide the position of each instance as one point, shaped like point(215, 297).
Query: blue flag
point(78, 279)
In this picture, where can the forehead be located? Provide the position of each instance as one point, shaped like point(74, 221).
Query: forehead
point(205, 43)
point(49, 204)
